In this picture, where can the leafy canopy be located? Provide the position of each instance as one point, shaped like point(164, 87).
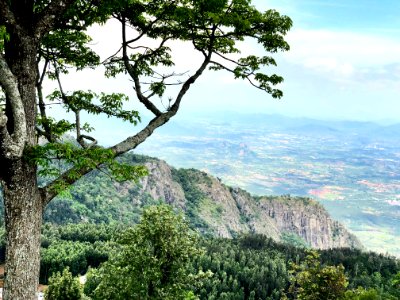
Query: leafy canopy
point(149, 31)
point(63, 287)
point(312, 281)
point(152, 261)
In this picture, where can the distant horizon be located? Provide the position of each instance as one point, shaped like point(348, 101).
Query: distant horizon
point(204, 114)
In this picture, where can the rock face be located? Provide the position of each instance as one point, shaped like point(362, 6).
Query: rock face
point(160, 185)
point(230, 211)
point(308, 219)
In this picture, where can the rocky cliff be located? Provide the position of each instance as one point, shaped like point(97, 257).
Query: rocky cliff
point(210, 206)
point(225, 211)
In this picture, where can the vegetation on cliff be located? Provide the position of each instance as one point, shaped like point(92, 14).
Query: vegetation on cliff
point(210, 206)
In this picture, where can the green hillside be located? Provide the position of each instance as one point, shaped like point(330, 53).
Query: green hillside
point(211, 207)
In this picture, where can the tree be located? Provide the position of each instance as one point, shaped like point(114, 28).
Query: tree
point(63, 287)
point(152, 262)
point(312, 281)
point(44, 39)
point(396, 281)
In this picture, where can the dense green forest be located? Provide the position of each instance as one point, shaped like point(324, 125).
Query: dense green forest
point(247, 267)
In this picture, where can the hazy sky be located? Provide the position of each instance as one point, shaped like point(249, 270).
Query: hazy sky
point(344, 63)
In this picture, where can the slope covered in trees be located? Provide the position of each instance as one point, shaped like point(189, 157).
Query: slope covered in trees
point(211, 207)
point(247, 267)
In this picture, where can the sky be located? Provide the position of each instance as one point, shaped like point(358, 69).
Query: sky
point(344, 64)
point(344, 61)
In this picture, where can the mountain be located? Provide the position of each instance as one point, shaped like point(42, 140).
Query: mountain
point(211, 206)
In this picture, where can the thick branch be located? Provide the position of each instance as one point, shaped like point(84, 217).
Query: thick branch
point(49, 192)
point(133, 141)
point(42, 106)
point(12, 145)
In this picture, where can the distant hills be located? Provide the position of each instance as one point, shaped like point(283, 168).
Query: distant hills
point(283, 123)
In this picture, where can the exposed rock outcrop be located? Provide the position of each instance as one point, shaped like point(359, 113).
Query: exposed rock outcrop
point(160, 185)
point(230, 211)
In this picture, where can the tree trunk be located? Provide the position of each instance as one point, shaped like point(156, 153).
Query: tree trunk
point(23, 217)
point(22, 201)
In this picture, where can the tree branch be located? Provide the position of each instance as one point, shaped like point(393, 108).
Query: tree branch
point(83, 137)
point(42, 106)
point(221, 66)
point(133, 141)
point(132, 72)
point(80, 138)
point(49, 192)
point(12, 145)
point(230, 60)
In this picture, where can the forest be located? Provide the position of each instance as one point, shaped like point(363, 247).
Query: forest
point(250, 266)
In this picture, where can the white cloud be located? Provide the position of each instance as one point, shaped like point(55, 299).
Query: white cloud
point(329, 65)
point(358, 49)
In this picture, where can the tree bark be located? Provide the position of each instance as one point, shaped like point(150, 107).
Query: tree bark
point(23, 217)
point(22, 201)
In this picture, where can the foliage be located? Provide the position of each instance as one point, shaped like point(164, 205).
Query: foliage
point(63, 287)
point(81, 158)
point(93, 279)
point(74, 246)
point(366, 269)
point(4, 36)
point(97, 198)
point(189, 179)
point(152, 260)
point(362, 294)
point(312, 281)
point(248, 266)
point(251, 263)
point(77, 255)
point(294, 239)
point(396, 281)
point(215, 29)
point(243, 268)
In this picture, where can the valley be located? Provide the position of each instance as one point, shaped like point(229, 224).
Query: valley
point(352, 168)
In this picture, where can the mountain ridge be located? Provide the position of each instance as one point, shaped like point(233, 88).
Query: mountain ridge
point(210, 206)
